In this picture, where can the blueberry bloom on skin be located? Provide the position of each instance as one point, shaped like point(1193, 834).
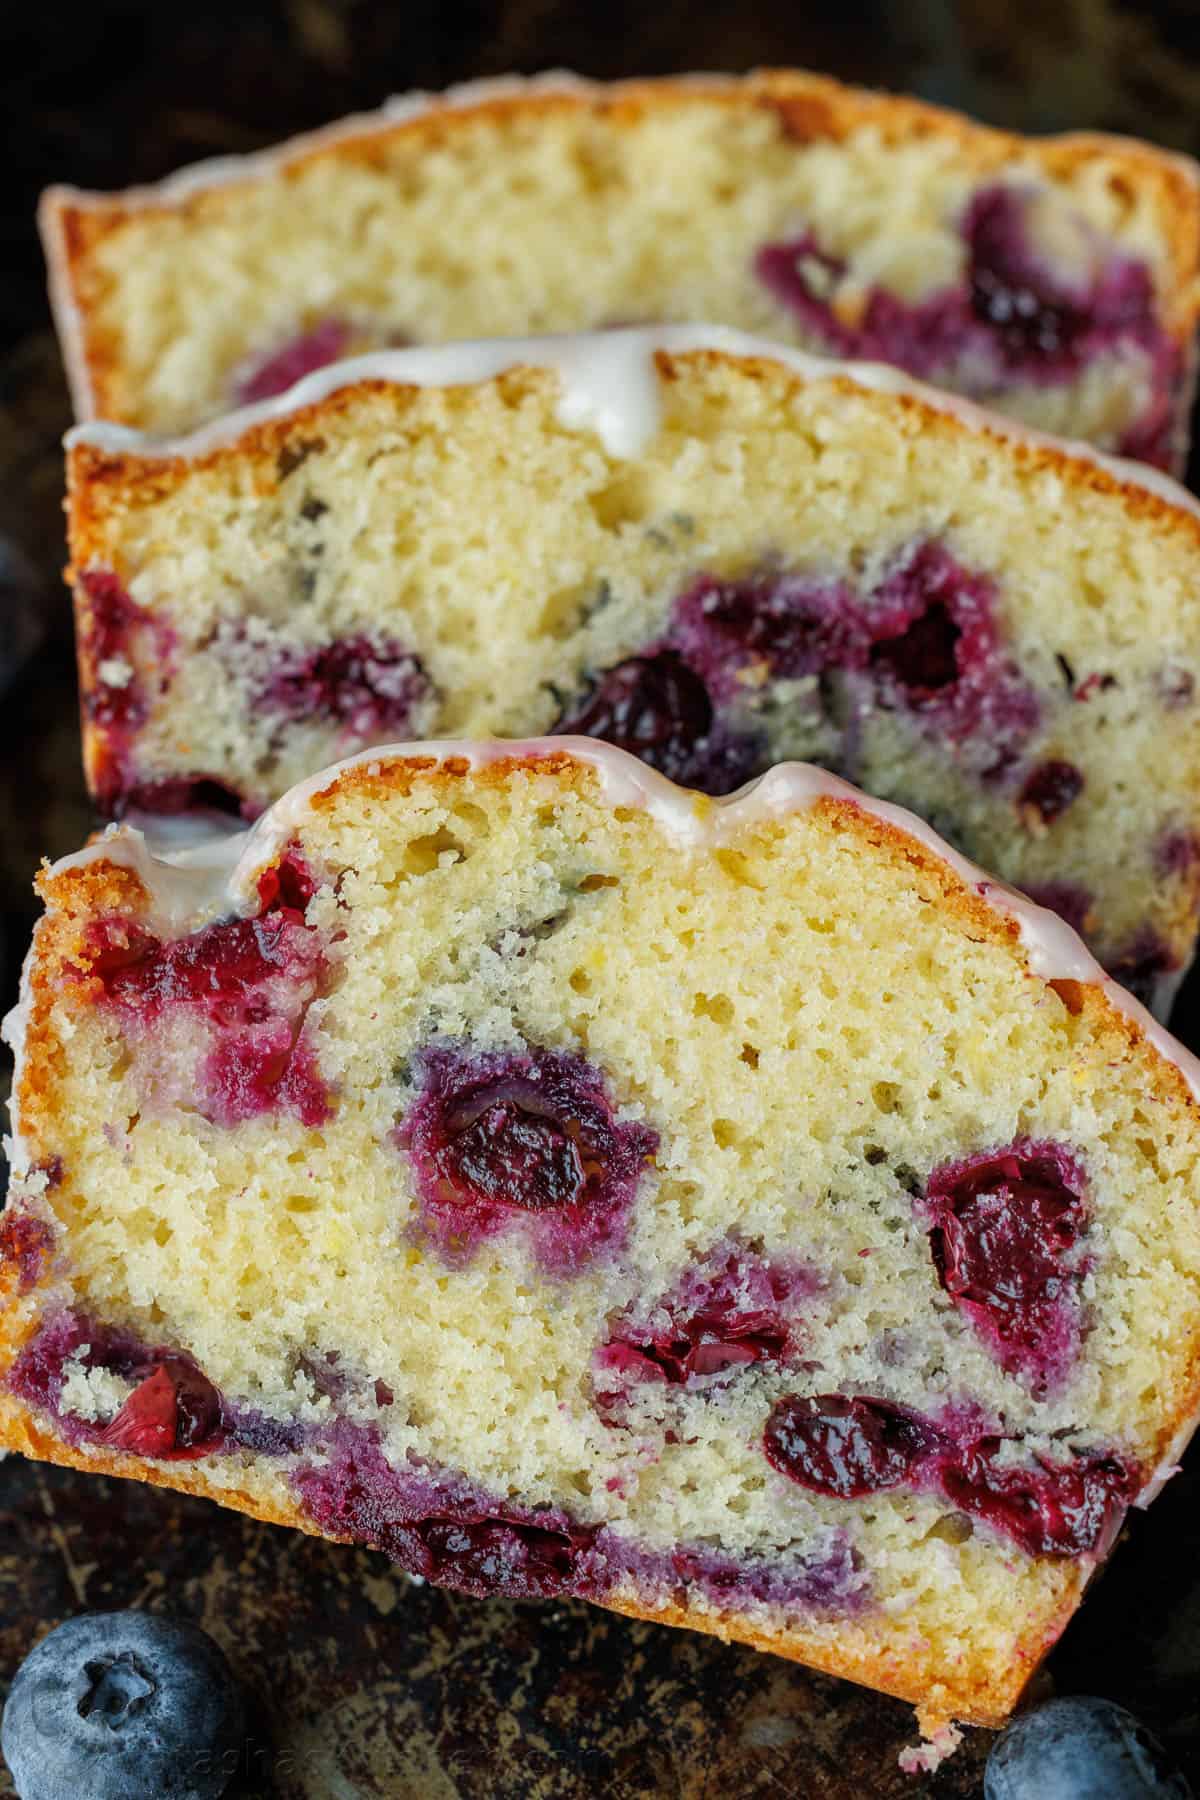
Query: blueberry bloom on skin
point(123, 1706)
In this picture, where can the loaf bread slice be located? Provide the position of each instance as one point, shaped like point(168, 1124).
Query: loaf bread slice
point(742, 1214)
point(1054, 279)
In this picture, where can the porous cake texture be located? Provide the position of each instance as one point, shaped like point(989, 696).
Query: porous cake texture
point(713, 551)
point(1057, 280)
point(741, 1214)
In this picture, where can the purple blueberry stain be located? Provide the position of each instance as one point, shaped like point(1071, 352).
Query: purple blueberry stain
point(281, 368)
point(368, 687)
point(733, 1309)
point(1048, 791)
point(1145, 967)
point(193, 794)
point(769, 623)
point(1046, 326)
point(1032, 319)
point(937, 650)
point(659, 708)
point(26, 1244)
point(805, 279)
point(852, 1446)
point(1006, 1235)
point(443, 1527)
point(522, 1140)
point(115, 627)
point(922, 659)
point(830, 1581)
point(1011, 317)
point(925, 641)
point(1070, 900)
point(1177, 852)
point(118, 641)
point(437, 1525)
point(173, 1412)
point(253, 980)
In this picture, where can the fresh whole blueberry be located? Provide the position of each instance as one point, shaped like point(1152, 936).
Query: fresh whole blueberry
point(1078, 1748)
point(123, 1706)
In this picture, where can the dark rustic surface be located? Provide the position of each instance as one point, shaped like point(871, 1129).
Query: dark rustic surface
point(363, 1684)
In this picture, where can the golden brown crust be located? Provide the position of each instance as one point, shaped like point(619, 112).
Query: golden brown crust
point(60, 959)
point(809, 107)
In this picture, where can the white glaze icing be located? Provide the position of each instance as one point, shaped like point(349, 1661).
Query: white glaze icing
point(189, 884)
point(610, 385)
point(217, 876)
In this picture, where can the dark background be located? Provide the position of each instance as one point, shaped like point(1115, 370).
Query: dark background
point(361, 1684)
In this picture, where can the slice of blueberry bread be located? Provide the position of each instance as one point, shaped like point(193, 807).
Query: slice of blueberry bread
point(1055, 279)
point(743, 1214)
point(718, 553)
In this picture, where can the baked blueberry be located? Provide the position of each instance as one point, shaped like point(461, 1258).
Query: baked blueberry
point(283, 366)
point(1078, 1748)
point(123, 1706)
